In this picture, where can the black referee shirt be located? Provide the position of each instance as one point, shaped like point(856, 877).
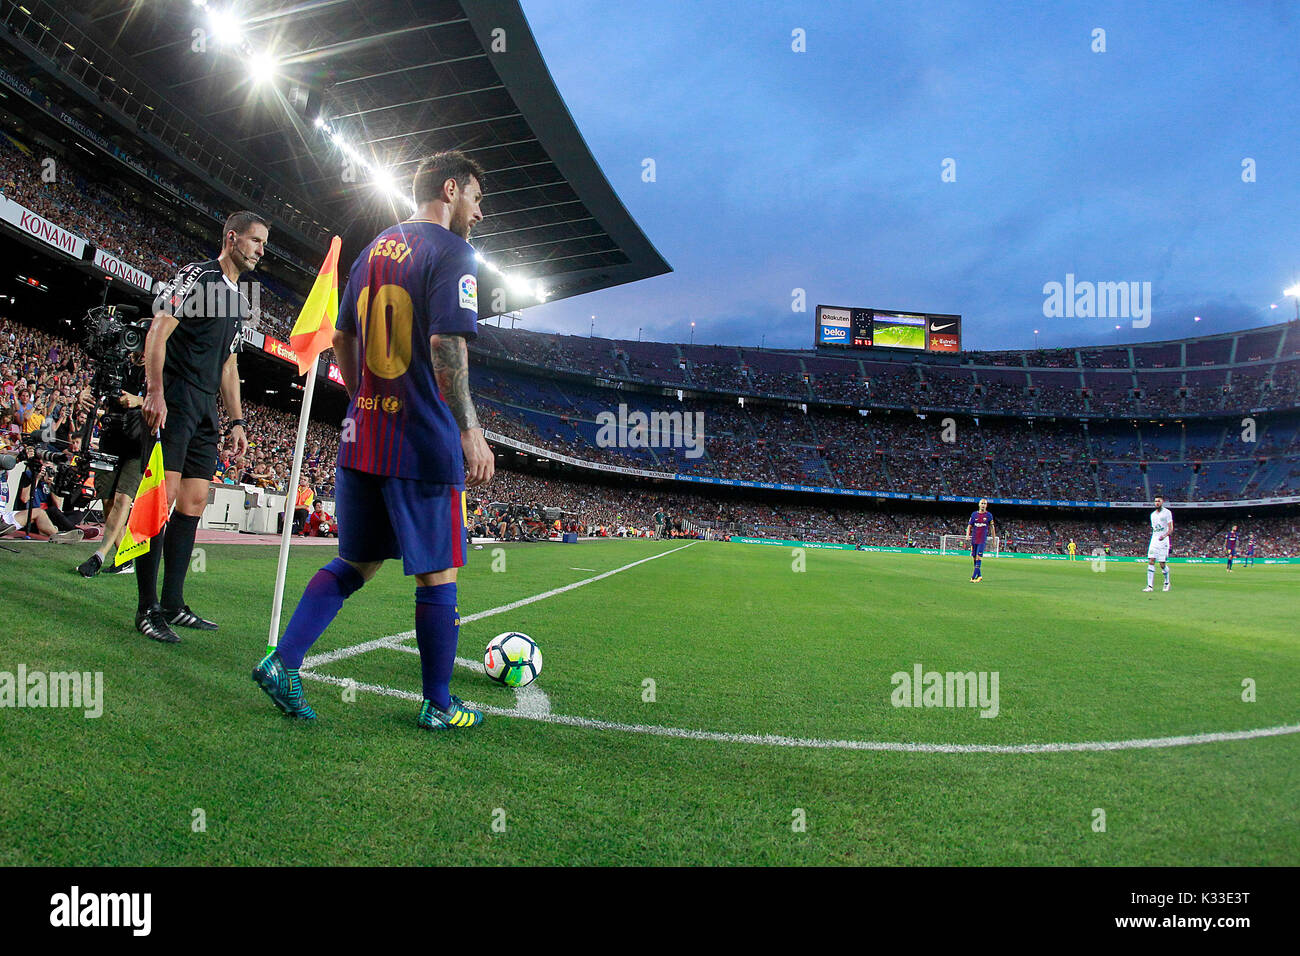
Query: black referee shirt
point(211, 311)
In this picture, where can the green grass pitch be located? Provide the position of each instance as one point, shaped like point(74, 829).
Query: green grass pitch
point(736, 641)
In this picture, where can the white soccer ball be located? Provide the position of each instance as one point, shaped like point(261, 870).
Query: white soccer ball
point(513, 659)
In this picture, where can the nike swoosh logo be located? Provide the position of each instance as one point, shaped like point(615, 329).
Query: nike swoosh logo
point(940, 328)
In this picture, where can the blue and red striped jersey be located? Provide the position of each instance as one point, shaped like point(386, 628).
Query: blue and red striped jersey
point(414, 280)
point(979, 525)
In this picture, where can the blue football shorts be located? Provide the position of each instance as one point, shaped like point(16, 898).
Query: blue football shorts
point(381, 517)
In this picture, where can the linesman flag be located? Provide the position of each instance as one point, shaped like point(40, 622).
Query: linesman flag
point(313, 333)
point(148, 511)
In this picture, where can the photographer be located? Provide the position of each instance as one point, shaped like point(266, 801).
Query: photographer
point(36, 505)
point(190, 357)
point(122, 433)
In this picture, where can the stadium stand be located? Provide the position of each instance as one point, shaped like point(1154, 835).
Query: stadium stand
point(1098, 424)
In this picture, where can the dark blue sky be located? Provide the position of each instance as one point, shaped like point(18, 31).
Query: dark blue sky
point(821, 170)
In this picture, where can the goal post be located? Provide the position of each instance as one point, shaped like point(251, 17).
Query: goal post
point(960, 544)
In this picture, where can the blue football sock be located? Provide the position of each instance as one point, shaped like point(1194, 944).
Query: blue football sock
point(978, 562)
point(321, 601)
point(437, 627)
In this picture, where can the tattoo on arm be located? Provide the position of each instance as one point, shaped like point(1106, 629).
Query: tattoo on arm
point(451, 368)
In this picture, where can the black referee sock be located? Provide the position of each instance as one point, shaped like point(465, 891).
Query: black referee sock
point(146, 573)
point(178, 545)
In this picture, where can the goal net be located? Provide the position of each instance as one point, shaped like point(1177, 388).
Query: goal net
point(960, 544)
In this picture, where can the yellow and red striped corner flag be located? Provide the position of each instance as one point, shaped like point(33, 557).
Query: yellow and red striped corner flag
point(313, 333)
point(148, 511)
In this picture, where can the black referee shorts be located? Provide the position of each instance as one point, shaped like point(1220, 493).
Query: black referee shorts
point(190, 437)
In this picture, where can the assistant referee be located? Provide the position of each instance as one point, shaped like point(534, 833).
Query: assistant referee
point(189, 359)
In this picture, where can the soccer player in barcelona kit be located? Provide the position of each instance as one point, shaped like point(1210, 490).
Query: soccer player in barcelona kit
point(1231, 546)
point(978, 531)
point(1250, 552)
point(411, 442)
point(1162, 528)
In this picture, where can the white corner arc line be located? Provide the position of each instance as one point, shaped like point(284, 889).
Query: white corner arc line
point(812, 743)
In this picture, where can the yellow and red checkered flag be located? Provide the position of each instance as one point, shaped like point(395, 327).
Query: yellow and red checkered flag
point(313, 333)
point(148, 511)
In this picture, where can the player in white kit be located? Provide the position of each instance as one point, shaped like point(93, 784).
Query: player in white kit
point(1162, 529)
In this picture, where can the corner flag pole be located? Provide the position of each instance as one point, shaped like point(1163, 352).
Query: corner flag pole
point(311, 335)
point(282, 566)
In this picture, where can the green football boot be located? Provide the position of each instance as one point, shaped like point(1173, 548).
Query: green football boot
point(283, 686)
point(455, 717)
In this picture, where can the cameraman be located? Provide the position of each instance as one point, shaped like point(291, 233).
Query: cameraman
point(122, 433)
point(190, 358)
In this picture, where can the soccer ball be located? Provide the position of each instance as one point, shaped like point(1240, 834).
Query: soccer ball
point(513, 659)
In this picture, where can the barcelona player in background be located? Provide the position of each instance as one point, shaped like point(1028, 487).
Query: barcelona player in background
point(1250, 551)
point(411, 443)
point(978, 531)
point(1231, 546)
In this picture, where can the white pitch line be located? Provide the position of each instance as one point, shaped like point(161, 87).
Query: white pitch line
point(773, 740)
point(317, 660)
point(582, 569)
point(530, 700)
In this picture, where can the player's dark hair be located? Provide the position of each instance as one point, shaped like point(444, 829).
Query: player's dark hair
point(435, 170)
point(240, 222)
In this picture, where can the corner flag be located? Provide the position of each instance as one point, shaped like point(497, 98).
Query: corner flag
point(148, 511)
point(313, 333)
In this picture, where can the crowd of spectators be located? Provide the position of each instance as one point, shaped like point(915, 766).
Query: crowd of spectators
point(925, 453)
point(66, 192)
point(602, 510)
point(42, 376)
point(1107, 382)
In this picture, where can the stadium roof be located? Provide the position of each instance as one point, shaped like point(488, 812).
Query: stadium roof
point(396, 81)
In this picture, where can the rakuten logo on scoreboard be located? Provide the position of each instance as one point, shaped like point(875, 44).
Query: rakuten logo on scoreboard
point(833, 325)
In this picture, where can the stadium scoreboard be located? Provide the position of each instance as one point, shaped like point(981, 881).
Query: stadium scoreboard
point(848, 328)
